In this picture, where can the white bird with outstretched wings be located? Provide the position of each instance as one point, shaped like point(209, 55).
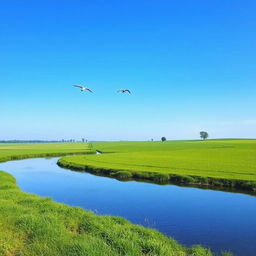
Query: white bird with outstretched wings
point(82, 88)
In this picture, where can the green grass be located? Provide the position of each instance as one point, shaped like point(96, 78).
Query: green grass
point(34, 226)
point(226, 163)
point(229, 163)
point(28, 150)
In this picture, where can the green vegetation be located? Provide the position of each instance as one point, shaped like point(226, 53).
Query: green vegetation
point(204, 135)
point(163, 139)
point(122, 174)
point(29, 150)
point(32, 226)
point(226, 163)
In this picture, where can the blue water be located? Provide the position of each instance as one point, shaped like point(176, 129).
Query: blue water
point(215, 219)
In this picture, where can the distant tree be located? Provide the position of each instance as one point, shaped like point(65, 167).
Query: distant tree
point(204, 135)
point(163, 139)
point(82, 139)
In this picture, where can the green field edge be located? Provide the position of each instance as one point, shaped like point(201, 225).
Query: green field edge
point(41, 155)
point(31, 225)
point(234, 185)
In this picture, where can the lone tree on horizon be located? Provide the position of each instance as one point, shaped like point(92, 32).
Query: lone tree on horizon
point(163, 139)
point(204, 135)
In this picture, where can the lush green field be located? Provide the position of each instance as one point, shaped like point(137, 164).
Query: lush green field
point(229, 163)
point(19, 151)
point(34, 226)
point(190, 161)
point(31, 226)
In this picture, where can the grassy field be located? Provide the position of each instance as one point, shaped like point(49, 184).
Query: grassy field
point(214, 162)
point(34, 226)
point(228, 163)
point(20, 151)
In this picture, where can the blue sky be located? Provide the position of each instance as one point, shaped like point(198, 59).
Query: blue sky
point(190, 65)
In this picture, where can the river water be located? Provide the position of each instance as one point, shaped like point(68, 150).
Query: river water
point(215, 219)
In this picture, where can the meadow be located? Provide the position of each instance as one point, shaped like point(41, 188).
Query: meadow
point(28, 150)
point(228, 163)
point(32, 226)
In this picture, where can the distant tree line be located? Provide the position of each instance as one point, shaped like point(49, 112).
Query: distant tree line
point(37, 141)
point(44, 141)
point(203, 135)
point(29, 141)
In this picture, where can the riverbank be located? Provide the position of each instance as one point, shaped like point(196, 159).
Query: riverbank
point(9, 152)
point(30, 225)
point(162, 178)
point(220, 164)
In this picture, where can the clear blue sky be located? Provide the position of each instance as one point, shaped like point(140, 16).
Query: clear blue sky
point(191, 66)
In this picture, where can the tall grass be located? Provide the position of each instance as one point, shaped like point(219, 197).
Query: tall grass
point(34, 226)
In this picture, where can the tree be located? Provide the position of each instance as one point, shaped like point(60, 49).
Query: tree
point(204, 135)
point(163, 139)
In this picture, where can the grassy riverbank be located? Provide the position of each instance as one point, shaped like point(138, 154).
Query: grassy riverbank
point(33, 226)
point(226, 163)
point(28, 150)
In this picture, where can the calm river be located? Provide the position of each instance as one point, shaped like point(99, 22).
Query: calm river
point(215, 219)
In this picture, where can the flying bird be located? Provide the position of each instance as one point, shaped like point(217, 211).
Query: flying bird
point(82, 88)
point(124, 90)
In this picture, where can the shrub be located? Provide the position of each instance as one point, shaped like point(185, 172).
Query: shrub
point(142, 175)
point(197, 250)
point(122, 175)
point(183, 179)
point(250, 185)
point(161, 177)
point(228, 183)
point(203, 180)
point(216, 182)
point(187, 179)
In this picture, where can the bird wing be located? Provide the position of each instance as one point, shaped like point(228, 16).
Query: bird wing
point(88, 90)
point(79, 86)
point(128, 90)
